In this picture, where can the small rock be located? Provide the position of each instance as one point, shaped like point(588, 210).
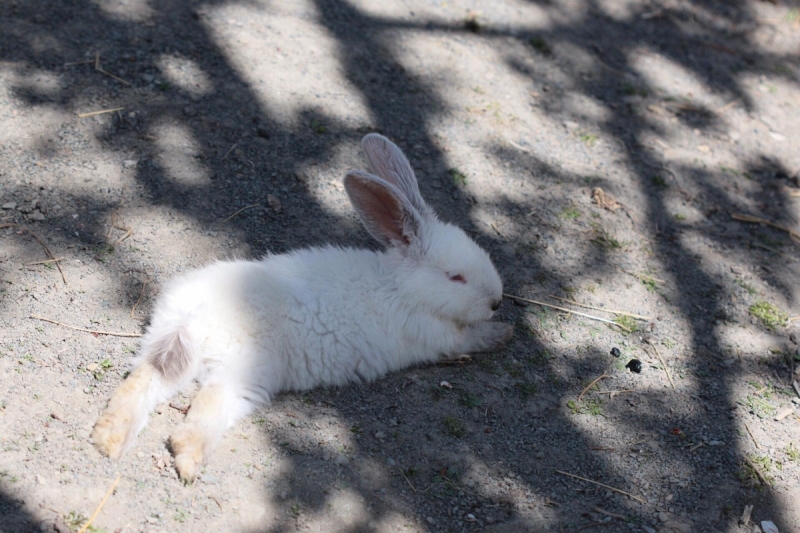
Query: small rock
point(540, 455)
point(662, 516)
point(430, 520)
point(341, 460)
point(380, 435)
point(769, 527)
point(10, 205)
point(36, 215)
point(56, 416)
point(60, 527)
point(570, 125)
point(648, 529)
point(390, 462)
point(41, 480)
point(780, 137)
point(152, 520)
point(471, 517)
point(130, 163)
point(446, 385)
point(92, 367)
point(716, 443)
point(274, 202)
point(209, 479)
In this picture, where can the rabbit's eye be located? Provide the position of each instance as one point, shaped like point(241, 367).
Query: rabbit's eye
point(458, 278)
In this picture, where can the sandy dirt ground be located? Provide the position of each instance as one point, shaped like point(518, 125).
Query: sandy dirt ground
point(624, 155)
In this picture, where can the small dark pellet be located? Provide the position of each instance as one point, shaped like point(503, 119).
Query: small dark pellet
point(634, 365)
point(615, 352)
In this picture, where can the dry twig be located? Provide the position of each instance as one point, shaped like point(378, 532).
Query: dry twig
point(94, 332)
point(141, 294)
point(407, 480)
point(40, 241)
point(758, 446)
point(756, 220)
point(728, 105)
point(45, 262)
point(615, 392)
point(592, 384)
point(102, 503)
point(642, 277)
point(566, 310)
point(623, 313)
point(669, 376)
point(609, 487)
point(101, 112)
point(761, 477)
point(608, 513)
point(239, 211)
point(98, 68)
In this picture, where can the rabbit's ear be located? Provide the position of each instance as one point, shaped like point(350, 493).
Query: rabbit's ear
point(388, 161)
point(383, 209)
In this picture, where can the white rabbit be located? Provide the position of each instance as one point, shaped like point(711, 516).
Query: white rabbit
point(320, 316)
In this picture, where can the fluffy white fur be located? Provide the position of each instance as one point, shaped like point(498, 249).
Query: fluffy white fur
point(321, 316)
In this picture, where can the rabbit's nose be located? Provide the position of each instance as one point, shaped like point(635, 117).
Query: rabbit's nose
point(496, 305)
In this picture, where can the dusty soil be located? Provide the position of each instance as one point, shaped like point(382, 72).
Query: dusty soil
point(237, 123)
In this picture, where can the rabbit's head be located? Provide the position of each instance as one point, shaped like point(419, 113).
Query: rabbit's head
point(436, 265)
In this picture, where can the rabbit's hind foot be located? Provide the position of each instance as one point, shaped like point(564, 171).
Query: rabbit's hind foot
point(214, 409)
point(116, 427)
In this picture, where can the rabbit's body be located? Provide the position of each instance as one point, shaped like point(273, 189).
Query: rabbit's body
point(247, 330)
point(294, 321)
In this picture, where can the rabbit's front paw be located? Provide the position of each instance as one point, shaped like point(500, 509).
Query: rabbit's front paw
point(485, 337)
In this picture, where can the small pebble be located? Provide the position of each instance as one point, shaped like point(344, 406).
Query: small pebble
point(380, 435)
point(615, 352)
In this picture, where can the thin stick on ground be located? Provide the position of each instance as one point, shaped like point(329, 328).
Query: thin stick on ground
point(758, 446)
point(794, 318)
point(669, 376)
point(609, 487)
point(756, 220)
point(566, 311)
point(95, 332)
point(41, 242)
point(98, 68)
point(761, 477)
point(642, 277)
point(100, 112)
point(141, 294)
point(615, 391)
point(407, 480)
point(102, 503)
point(592, 384)
point(224, 157)
point(624, 313)
point(45, 262)
point(498, 388)
point(608, 513)
point(728, 105)
point(239, 211)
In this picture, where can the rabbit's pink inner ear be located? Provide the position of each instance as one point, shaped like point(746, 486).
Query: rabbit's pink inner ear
point(380, 210)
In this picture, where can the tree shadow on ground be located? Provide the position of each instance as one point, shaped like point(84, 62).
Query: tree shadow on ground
point(250, 154)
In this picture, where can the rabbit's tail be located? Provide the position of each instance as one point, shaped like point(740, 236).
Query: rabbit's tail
point(170, 353)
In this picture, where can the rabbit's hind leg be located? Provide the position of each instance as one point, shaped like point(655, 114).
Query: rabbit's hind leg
point(127, 411)
point(214, 409)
